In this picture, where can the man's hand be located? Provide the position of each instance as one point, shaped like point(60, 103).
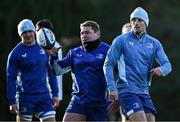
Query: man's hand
point(54, 51)
point(56, 102)
point(113, 107)
point(113, 95)
point(14, 108)
point(156, 71)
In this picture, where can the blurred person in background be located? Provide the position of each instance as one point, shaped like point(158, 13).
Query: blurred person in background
point(44, 23)
point(27, 68)
point(115, 113)
point(126, 28)
point(136, 51)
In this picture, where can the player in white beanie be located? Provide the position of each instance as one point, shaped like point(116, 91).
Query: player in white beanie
point(135, 51)
point(139, 21)
point(25, 25)
point(27, 70)
point(140, 13)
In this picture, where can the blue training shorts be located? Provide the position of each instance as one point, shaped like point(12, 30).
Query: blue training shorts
point(132, 103)
point(30, 105)
point(91, 113)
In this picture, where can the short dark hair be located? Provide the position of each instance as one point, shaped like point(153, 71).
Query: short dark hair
point(44, 24)
point(94, 25)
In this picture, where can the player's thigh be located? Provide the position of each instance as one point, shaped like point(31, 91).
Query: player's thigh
point(123, 117)
point(148, 104)
point(75, 112)
point(130, 104)
point(74, 117)
point(114, 116)
point(26, 110)
point(150, 117)
point(45, 109)
point(45, 103)
point(139, 116)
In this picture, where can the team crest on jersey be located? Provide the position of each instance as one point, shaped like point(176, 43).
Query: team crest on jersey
point(150, 45)
point(99, 56)
point(42, 51)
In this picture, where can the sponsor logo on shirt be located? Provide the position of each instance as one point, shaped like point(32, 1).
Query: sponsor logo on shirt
point(42, 51)
point(131, 43)
point(24, 55)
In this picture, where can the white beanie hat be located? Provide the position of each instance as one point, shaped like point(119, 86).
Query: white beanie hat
point(25, 25)
point(140, 13)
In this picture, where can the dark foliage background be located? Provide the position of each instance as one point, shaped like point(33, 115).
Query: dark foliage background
point(66, 15)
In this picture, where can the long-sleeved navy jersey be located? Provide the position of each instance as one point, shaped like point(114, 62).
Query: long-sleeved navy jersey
point(29, 66)
point(89, 85)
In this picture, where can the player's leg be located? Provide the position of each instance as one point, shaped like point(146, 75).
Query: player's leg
point(23, 119)
point(114, 116)
point(74, 112)
point(122, 116)
point(45, 110)
point(47, 116)
point(26, 110)
point(73, 117)
point(150, 117)
point(139, 116)
point(113, 112)
point(132, 107)
point(149, 108)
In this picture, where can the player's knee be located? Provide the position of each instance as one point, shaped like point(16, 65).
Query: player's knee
point(74, 117)
point(24, 118)
point(138, 116)
point(47, 116)
point(150, 117)
point(51, 119)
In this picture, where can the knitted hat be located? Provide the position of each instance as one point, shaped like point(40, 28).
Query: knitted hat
point(25, 25)
point(140, 13)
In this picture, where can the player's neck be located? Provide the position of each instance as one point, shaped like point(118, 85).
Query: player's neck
point(29, 43)
point(91, 45)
